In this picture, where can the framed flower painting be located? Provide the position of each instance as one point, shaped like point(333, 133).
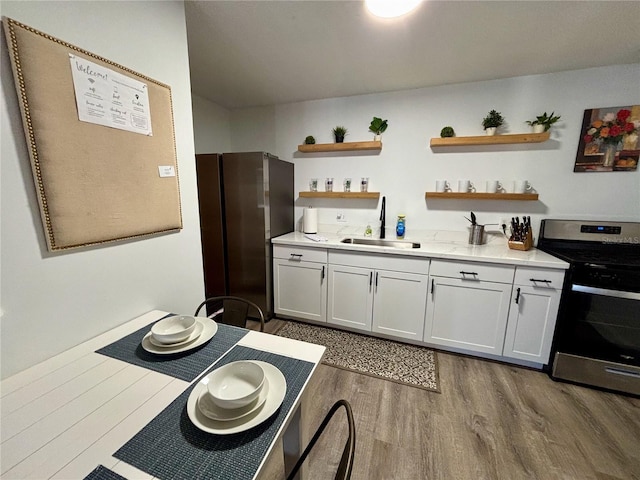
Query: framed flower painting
point(609, 140)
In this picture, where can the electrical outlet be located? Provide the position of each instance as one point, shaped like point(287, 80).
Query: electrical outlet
point(340, 216)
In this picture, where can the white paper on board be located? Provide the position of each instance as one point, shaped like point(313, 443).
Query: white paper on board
point(106, 97)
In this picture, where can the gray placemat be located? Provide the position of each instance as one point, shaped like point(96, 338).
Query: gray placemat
point(186, 365)
point(171, 447)
point(103, 473)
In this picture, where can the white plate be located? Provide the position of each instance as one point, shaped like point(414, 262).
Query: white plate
point(195, 334)
point(277, 391)
point(214, 412)
point(209, 330)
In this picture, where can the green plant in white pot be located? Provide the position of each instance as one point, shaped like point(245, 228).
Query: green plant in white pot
point(492, 121)
point(543, 122)
point(378, 126)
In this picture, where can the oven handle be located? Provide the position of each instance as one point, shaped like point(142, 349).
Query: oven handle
point(605, 292)
point(619, 371)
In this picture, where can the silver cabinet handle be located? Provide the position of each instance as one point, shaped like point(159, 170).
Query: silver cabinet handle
point(605, 292)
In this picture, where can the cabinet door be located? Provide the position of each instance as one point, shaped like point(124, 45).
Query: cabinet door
point(532, 320)
point(300, 289)
point(399, 304)
point(350, 301)
point(467, 314)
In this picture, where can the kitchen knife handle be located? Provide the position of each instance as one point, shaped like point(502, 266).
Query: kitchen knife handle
point(518, 296)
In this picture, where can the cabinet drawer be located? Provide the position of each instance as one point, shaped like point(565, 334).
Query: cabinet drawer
point(306, 254)
point(473, 271)
point(539, 277)
point(380, 262)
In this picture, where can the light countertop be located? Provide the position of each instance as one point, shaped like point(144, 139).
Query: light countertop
point(450, 245)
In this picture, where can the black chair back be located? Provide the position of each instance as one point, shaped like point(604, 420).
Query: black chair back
point(231, 310)
point(348, 453)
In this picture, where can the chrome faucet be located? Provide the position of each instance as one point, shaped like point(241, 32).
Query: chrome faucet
point(382, 216)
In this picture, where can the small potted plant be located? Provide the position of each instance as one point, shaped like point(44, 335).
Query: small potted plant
point(309, 140)
point(542, 123)
point(492, 121)
point(339, 134)
point(447, 132)
point(378, 126)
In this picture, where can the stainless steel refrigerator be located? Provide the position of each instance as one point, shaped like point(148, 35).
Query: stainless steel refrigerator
point(245, 200)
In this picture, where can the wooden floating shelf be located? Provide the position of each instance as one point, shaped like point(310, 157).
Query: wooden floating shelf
point(491, 139)
point(339, 194)
point(483, 196)
point(340, 147)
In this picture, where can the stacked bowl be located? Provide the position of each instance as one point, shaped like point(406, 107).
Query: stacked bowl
point(233, 391)
point(172, 330)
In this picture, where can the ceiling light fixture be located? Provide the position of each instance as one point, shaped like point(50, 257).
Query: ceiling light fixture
point(391, 8)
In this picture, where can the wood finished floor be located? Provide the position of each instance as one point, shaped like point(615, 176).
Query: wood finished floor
point(491, 421)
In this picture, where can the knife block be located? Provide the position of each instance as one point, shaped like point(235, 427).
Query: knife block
point(524, 245)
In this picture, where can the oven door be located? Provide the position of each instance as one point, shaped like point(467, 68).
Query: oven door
point(599, 343)
point(603, 323)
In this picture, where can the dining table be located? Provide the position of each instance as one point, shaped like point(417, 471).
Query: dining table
point(116, 407)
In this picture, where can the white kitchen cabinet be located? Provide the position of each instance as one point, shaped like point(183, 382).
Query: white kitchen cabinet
point(300, 283)
point(399, 304)
point(383, 294)
point(468, 305)
point(350, 301)
point(532, 315)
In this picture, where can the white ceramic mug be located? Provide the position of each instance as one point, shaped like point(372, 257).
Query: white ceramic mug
point(521, 186)
point(465, 186)
point(494, 186)
point(442, 186)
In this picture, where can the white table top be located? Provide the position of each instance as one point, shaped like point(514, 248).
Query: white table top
point(64, 417)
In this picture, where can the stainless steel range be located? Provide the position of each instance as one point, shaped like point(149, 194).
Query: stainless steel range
point(597, 338)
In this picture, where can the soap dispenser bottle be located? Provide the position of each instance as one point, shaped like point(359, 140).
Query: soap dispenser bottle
point(400, 228)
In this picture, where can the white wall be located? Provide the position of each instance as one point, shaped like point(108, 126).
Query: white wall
point(51, 302)
point(407, 166)
point(254, 130)
point(211, 126)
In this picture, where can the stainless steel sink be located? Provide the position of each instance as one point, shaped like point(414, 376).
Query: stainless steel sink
point(381, 243)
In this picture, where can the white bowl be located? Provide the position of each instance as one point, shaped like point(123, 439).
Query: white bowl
point(236, 384)
point(173, 329)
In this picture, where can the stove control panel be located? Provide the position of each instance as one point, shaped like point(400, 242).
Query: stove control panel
point(604, 229)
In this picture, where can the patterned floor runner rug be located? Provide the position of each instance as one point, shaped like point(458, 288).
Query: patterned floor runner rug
point(386, 359)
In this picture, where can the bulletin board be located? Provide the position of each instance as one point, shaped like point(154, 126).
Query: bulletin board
point(94, 183)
